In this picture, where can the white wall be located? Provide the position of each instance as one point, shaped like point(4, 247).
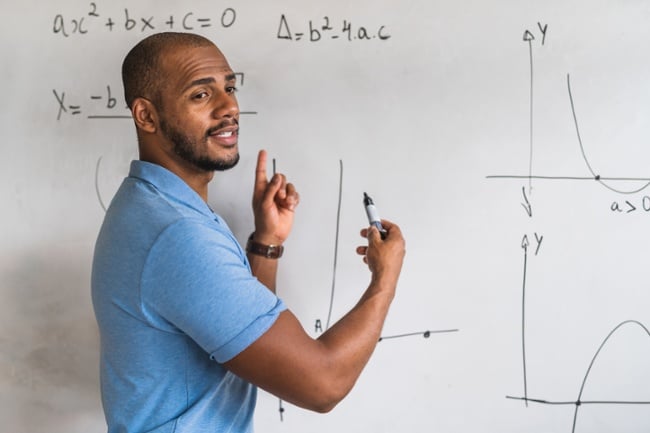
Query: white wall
point(436, 123)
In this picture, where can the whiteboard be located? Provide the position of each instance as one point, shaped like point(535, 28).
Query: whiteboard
point(508, 139)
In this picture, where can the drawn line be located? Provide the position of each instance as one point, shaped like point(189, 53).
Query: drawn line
point(596, 178)
point(425, 334)
point(99, 196)
point(336, 243)
point(109, 117)
point(281, 410)
point(578, 403)
point(131, 117)
point(280, 406)
point(523, 316)
point(527, 206)
point(584, 156)
point(530, 158)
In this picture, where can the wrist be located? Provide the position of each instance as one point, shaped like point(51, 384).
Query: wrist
point(267, 250)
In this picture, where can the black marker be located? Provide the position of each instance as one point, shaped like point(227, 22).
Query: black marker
point(373, 216)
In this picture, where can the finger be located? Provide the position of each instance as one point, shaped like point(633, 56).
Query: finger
point(260, 174)
point(391, 227)
point(387, 224)
point(362, 250)
point(271, 189)
point(364, 232)
point(291, 191)
point(373, 235)
point(291, 199)
point(282, 190)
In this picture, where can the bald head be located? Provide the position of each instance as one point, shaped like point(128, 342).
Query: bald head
point(142, 73)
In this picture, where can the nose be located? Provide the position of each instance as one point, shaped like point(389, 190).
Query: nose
point(226, 106)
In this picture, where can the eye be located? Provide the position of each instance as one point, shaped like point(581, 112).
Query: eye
point(200, 95)
point(231, 89)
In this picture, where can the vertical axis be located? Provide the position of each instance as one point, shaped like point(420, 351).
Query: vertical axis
point(524, 245)
point(336, 249)
point(280, 405)
point(532, 79)
point(336, 243)
point(528, 37)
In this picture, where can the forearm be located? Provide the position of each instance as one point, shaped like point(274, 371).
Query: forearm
point(265, 270)
point(350, 342)
point(314, 374)
point(317, 373)
point(325, 370)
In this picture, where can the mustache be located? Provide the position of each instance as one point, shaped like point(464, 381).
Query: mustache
point(224, 124)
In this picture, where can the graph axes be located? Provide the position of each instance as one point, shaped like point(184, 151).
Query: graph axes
point(579, 401)
point(595, 176)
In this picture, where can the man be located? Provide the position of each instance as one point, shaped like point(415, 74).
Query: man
point(189, 324)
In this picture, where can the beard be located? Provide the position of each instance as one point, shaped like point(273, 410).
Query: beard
point(188, 149)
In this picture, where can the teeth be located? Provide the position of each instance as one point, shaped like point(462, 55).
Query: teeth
point(225, 134)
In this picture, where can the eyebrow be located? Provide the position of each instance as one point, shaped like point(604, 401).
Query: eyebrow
point(208, 80)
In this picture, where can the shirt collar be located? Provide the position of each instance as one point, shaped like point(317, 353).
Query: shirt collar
point(169, 184)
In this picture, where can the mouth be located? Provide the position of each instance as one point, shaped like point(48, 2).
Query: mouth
point(226, 136)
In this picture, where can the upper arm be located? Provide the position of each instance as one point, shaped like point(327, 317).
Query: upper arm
point(291, 365)
point(196, 282)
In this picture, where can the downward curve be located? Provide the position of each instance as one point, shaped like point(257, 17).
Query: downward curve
point(593, 360)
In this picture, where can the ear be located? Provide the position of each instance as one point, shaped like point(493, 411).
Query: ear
point(145, 115)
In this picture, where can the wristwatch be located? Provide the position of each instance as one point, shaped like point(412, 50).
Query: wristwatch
point(268, 251)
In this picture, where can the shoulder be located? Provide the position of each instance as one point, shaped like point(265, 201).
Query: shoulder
point(196, 236)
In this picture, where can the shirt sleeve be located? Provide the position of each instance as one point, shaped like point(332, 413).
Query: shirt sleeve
point(197, 281)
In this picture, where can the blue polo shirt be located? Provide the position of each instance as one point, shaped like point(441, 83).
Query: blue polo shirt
point(174, 298)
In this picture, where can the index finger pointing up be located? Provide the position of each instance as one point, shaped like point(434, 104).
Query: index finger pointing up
point(260, 173)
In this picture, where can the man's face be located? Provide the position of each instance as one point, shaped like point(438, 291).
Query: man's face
point(199, 115)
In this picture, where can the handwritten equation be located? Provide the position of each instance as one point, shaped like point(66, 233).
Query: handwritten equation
point(103, 104)
point(190, 21)
point(127, 21)
point(103, 101)
point(325, 28)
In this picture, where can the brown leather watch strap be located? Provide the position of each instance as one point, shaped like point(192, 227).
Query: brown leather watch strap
point(268, 251)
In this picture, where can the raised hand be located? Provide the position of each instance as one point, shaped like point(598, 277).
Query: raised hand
point(274, 203)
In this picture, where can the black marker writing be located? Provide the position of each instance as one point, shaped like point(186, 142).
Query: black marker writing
point(81, 24)
point(326, 29)
point(103, 104)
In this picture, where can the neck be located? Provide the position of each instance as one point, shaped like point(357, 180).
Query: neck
point(196, 179)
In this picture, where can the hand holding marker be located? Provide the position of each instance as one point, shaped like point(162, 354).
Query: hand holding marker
point(373, 216)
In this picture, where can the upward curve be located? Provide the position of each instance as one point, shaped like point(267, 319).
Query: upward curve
point(584, 156)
